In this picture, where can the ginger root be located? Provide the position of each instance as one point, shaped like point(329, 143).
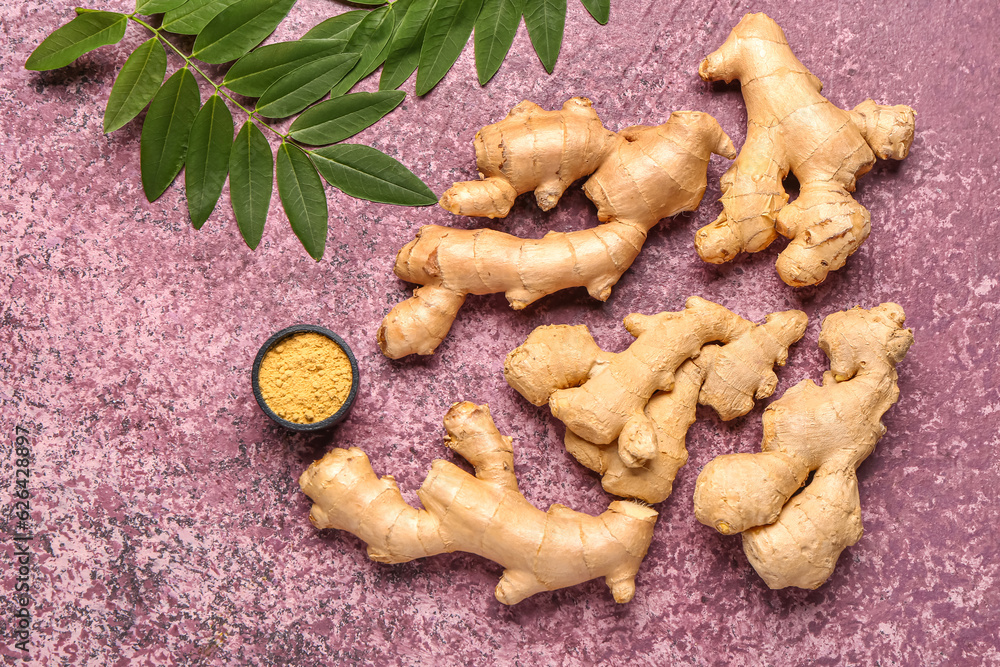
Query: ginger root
point(671, 414)
point(615, 424)
point(791, 126)
point(484, 515)
point(795, 540)
point(640, 175)
point(532, 149)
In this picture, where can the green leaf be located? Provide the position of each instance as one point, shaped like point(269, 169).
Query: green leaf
point(207, 161)
point(341, 26)
point(342, 117)
point(448, 29)
point(546, 20)
point(367, 28)
point(599, 9)
point(371, 2)
point(148, 7)
point(261, 68)
point(166, 131)
point(404, 50)
point(136, 84)
point(239, 28)
point(367, 173)
point(303, 198)
point(298, 89)
point(251, 181)
point(495, 31)
point(192, 17)
point(88, 31)
point(371, 39)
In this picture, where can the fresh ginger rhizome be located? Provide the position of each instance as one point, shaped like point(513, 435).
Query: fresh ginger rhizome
point(627, 413)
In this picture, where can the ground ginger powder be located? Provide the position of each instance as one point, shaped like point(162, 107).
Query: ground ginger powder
point(305, 378)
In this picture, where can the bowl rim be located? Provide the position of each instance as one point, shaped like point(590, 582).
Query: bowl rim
point(288, 332)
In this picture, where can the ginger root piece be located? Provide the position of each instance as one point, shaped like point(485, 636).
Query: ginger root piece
point(615, 424)
point(795, 540)
point(532, 149)
point(740, 371)
point(792, 127)
point(671, 414)
point(484, 515)
point(640, 175)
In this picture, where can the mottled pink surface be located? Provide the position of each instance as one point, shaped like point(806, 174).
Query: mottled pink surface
point(169, 525)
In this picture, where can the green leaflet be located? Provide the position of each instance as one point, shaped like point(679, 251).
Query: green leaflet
point(448, 29)
point(495, 31)
point(251, 181)
point(239, 28)
point(404, 50)
point(599, 9)
point(367, 28)
point(207, 161)
point(371, 2)
point(298, 89)
point(546, 20)
point(261, 68)
point(88, 31)
point(303, 198)
point(341, 26)
point(367, 173)
point(342, 117)
point(166, 131)
point(192, 17)
point(371, 39)
point(156, 6)
point(136, 84)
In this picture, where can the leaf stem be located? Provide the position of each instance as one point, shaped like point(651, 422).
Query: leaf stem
point(252, 115)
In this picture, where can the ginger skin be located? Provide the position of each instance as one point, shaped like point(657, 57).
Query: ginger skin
point(671, 414)
point(640, 175)
point(827, 431)
point(792, 127)
point(615, 425)
point(484, 515)
point(532, 149)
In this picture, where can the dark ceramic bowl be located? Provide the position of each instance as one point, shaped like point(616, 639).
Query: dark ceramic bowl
point(334, 419)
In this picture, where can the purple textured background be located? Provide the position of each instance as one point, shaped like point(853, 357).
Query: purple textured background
point(170, 528)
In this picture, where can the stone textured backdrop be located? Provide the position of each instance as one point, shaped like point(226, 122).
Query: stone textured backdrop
point(169, 525)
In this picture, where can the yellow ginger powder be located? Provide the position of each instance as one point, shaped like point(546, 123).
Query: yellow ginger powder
point(305, 378)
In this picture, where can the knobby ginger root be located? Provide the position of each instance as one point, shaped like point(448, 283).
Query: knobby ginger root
point(640, 175)
point(617, 424)
point(791, 126)
point(827, 431)
point(532, 149)
point(671, 414)
point(484, 515)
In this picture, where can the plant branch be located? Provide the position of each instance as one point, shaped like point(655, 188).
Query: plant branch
point(252, 115)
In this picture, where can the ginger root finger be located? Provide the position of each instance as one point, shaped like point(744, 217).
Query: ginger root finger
point(649, 175)
point(483, 514)
point(742, 370)
point(671, 414)
point(532, 149)
point(792, 127)
point(797, 551)
point(419, 324)
point(827, 430)
point(553, 357)
point(638, 177)
point(627, 413)
point(600, 408)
